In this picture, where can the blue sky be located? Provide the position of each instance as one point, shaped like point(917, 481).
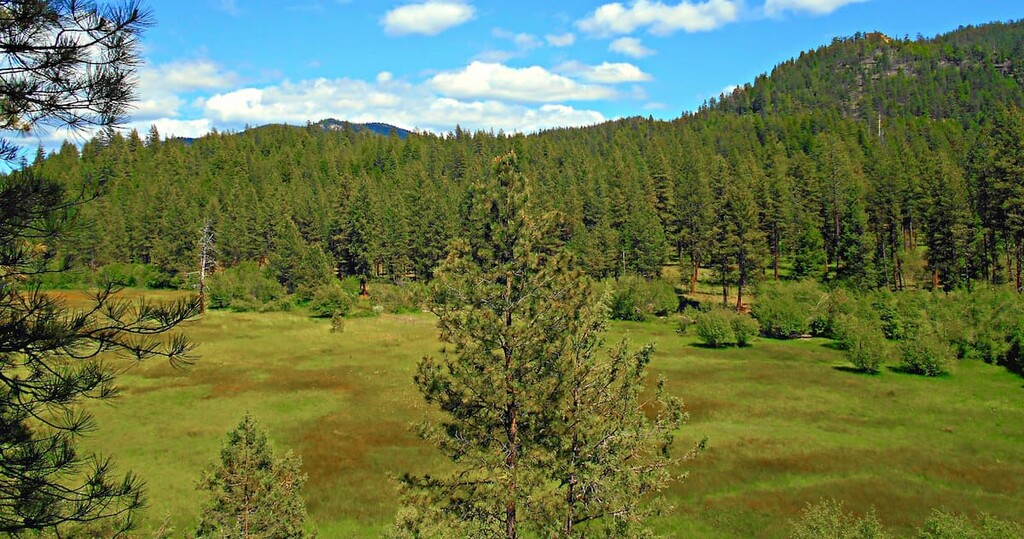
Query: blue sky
point(514, 65)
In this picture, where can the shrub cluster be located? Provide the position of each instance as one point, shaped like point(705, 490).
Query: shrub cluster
point(925, 352)
point(400, 298)
point(330, 301)
point(125, 275)
point(786, 309)
point(863, 341)
point(828, 518)
point(719, 327)
point(244, 287)
point(637, 299)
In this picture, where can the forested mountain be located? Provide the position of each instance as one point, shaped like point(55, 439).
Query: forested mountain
point(791, 172)
point(952, 76)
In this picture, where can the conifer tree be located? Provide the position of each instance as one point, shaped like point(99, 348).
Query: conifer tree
point(545, 434)
point(950, 234)
point(255, 495)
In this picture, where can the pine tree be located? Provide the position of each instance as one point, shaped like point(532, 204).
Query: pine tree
point(255, 495)
point(523, 420)
point(950, 234)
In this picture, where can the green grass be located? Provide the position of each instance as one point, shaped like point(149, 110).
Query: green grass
point(785, 426)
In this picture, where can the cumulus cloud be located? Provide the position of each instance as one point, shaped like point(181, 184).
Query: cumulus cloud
point(427, 18)
point(630, 46)
point(393, 101)
point(560, 40)
point(521, 40)
point(660, 18)
point(160, 86)
point(607, 73)
point(529, 84)
point(171, 127)
point(815, 7)
point(184, 76)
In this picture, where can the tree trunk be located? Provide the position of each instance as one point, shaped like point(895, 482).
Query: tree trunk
point(775, 256)
point(935, 280)
point(695, 262)
point(570, 496)
point(1020, 259)
point(511, 425)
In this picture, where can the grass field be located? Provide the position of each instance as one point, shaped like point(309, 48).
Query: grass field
point(785, 423)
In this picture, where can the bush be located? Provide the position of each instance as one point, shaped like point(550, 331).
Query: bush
point(331, 300)
point(244, 287)
point(351, 284)
point(399, 298)
point(944, 525)
point(828, 518)
point(863, 341)
point(744, 329)
point(337, 324)
point(625, 305)
point(634, 298)
point(663, 299)
point(687, 319)
point(925, 352)
point(785, 310)
point(135, 275)
point(715, 327)
point(75, 278)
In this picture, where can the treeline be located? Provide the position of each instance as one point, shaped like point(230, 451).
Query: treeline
point(747, 196)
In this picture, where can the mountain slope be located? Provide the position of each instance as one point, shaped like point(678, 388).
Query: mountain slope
point(954, 75)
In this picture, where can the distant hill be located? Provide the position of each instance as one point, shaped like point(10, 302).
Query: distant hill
point(954, 75)
point(330, 124)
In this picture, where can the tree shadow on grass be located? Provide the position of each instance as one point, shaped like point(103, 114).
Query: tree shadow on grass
point(709, 347)
point(903, 369)
point(855, 370)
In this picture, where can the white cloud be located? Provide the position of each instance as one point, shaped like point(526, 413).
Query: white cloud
point(816, 7)
point(630, 46)
point(400, 103)
point(606, 72)
point(185, 76)
point(728, 90)
point(511, 118)
point(560, 40)
point(494, 56)
point(160, 86)
point(170, 127)
point(528, 84)
point(660, 18)
point(522, 41)
point(384, 77)
point(427, 18)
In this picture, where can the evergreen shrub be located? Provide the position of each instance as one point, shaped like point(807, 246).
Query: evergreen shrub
point(635, 298)
point(331, 300)
point(244, 287)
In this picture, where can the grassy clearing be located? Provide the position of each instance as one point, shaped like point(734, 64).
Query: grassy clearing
point(785, 423)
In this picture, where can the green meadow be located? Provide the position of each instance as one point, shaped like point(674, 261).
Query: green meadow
point(786, 424)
